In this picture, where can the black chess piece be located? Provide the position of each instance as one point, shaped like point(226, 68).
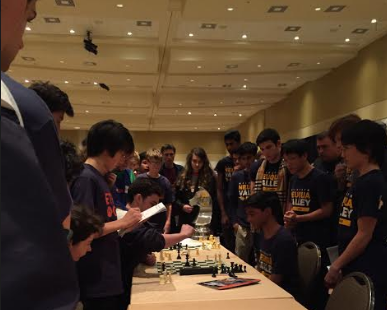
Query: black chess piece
point(186, 247)
point(163, 267)
point(178, 254)
point(222, 270)
point(232, 266)
point(171, 248)
point(214, 272)
point(240, 268)
point(245, 269)
point(194, 262)
point(228, 255)
point(187, 261)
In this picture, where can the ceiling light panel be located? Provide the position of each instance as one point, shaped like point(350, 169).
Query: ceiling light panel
point(52, 20)
point(65, 3)
point(144, 23)
point(208, 26)
point(232, 67)
point(360, 30)
point(277, 9)
point(293, 28)
point(28, 58)
point(335, 8)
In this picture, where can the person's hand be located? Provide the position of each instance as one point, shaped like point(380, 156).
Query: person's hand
point(111, 179)
point(131, 219)
point(187, 230)
point(290, 219)
point(235, 226)
point(167, 227)
point(340, 171)
point(332, 277)
point(224, 219)
point(187, 209)
point(150, 260)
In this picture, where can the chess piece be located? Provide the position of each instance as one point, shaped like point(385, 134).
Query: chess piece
point(232, 266)
point(228, 255)
point(178, 253)
point(187, 261)
point(171, 248)
point(240, 268)
point(163, 267)
point(245, 269)
point(161, 256)
point(194, 262)
point(214, 272)
point(186, 247)
point(222, 270)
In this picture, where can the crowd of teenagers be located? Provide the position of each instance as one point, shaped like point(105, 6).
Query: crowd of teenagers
point(62, 241)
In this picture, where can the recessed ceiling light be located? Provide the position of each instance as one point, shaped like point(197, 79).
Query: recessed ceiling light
point(296, 38)
point(189, 113)
point(259, 66)
point(262, 101)
point(196, 128)
point(335, 8)
point(215, 114)
point(62, 61)
point(297, 77)
point(120, 5)
point(65, 2)
point(244, 36)
point(180, 104)
point(317, 9)
point(319, 63)
point(95, 83)
point(244, 86)
point(28, 28)
point(130, 33)
point(277, 9)
point(240, 115)
point(199, 67)
point(128, 80)
point(221, 102)
point(191, 35)
point(218, 128)
point(246, 80)
point(230, 9)
point(347, 39)
point(77, 128)
point(52, 20)
point(87, 111)
point(28, 58)
point(66, 82)
point(360, 30)
point(192, 81)
point(293, 28)
point(27, 81)
point(72, 31)
point(144, 23)
point(374, 21)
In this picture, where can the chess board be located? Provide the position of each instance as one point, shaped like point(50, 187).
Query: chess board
point(175, 266)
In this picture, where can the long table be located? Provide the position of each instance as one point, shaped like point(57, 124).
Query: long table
point(184, 291)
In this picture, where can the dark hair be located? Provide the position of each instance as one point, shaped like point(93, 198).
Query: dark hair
point(268, 134)
point(145, 187)
point(233, 135)
point(84, 223)
point(73, 162)
point(168, 147)
point(295, 146)
point(369, 138)
point(323, 135)
point(205, 174)
point(341, 124)
point(110, 136)
point(263, 200)
point(54, 97)
point(247, 148)
point(142, 156)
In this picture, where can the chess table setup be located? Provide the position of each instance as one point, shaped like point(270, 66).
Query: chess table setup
point(173, 283)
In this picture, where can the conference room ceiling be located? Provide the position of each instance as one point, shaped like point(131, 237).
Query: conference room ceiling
point(203, 65)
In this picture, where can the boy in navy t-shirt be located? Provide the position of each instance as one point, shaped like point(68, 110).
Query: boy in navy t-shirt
point(278, 249)
point(363, 213)
point(99, 271)
point(239, 192)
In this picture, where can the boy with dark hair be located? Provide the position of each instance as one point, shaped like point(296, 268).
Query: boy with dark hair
point(162, 221)
point(311, 197)
point(85, 227)
point(363, 213)
point(137, 246)
point(99, 272)
point(278, 251)
point(57, 100)
point(328, 152)
point(169, 169)
point(144, 167)
point(73, 163)
point(239, 191)
point(225, 169)
point(270, 174)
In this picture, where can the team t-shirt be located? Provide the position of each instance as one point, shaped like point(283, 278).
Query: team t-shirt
point(100, 270)
point(278, 255)
point(239, 192)
point(366, 198)
point(306, 196)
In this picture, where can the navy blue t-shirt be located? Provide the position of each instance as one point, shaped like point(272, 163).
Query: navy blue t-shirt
point(41, 129)
point(159, 219)
point(37, 269)
point(121, 188)
point(366, 198)
point(239, 191)
point(226, 167)
point(100, 270)
point(278, 255)
point(306, 196)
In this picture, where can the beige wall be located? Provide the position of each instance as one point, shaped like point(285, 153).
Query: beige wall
point(250, 129)
point(359, 86)
point(212, 142)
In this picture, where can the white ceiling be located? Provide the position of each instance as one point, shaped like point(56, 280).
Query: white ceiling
point(159, 73)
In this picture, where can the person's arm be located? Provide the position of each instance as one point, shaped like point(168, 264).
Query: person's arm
point(233, 198)
point(322, 213)
point(167, 226)
point(355, 248)
point(186, 232)
point(276, 278)
point(219, 194)
point(130, 221)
